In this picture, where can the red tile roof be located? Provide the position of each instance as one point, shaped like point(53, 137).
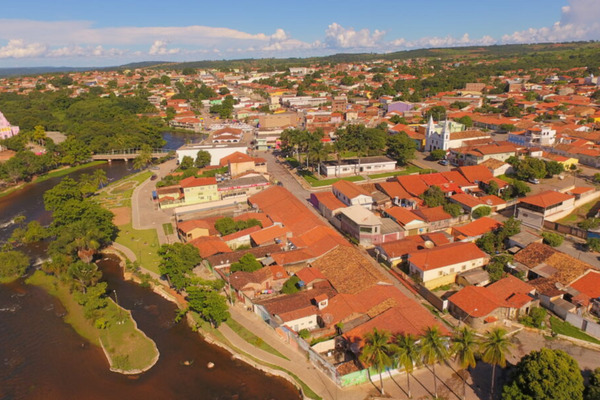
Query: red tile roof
point(477, 227)
point(589, 284)
point(350, 189)
point(413, 184)
point(394, 189)
point(269, 234)
point(432, 214)
point(402, 215)
point(453, 253)
point(475, 173)
point(195, 182)
point(210, 245)
point(329, 200)
point(466, 200)
point(546, 199)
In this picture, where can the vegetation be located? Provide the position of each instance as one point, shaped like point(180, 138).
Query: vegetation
point(482, 211)
point(592, 391)
point(553, 239)
point(177, 262)
point(433, 350)
point(494, 349)
point(535, 318)
point(564, 328)
point(12, 265)
point(546, 374)
point(377, 352)
point(247, 263)
point(291, 285)
point(438, 154)
point(464, 346)
point(227, 225)
point(494, 241)
point(593, 244)
point(251, 338)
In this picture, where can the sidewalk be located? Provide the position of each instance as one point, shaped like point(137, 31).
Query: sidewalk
point(449, 384)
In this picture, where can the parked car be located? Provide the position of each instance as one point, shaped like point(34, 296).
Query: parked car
point(535, 181)
point(153, 177)
point(443, 162)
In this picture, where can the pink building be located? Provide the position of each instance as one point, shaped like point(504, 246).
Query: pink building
point(6, 129)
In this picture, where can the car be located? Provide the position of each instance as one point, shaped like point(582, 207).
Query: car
point(443, 162)
point(535, 181)
point(153, 177)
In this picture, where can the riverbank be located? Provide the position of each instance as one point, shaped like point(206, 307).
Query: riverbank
point(52, 174)
point(128, 350)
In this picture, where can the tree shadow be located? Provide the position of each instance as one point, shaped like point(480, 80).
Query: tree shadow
point(397, 384)
point(450, 389)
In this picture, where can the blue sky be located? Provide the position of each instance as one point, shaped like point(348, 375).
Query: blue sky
point(101, 33)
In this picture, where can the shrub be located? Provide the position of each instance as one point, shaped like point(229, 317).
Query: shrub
point(482, 212)
point(553, 239)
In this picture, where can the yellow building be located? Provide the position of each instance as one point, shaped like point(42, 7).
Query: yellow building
point(199, 190)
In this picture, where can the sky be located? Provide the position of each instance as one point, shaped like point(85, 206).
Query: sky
point(92, 33)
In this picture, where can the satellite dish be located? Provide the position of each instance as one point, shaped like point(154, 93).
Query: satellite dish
point(429, 244)
point(488, 202)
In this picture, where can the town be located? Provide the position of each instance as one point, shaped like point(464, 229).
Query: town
point(356, 207)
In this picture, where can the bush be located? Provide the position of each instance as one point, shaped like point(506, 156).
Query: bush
point(553, 239)
point(593, 244)
point(291, 285)
point(482, 212)
point(536, 318)
point(438, 154)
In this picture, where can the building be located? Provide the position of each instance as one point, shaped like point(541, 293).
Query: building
point(440, 265)
point(239, 163)
point(365, 165)
point(536, 136)
point(507, 298)
point(217, 151)
point(533, 210)
point(278, 120)
point(443, 138)
point(352, 194)
point(6, 129)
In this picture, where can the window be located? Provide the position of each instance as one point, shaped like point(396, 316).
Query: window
point(440, 273)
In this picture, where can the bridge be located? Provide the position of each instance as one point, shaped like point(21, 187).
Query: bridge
point(129, 154)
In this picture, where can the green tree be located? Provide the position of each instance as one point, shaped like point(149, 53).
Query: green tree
point(453, 209)
point(13, 263)
point(592, 391)
point(211, 306)
point(494, 349)
point(74, 151)
point(408, 355)
point(553, 239)
point(545, 374)
point(377, 352)
point(554, 168)
point(39, 134)
point(225, 226)
point(481, 212)
point(434, 197)
point(593, 244)
point(67, 189)
point(100, 177)
point(291, 285)
point(530, 168)
point(187, 162)
point(35, 232)
point(463, 347)
point(437, 112)
point(438, 154)
point(535, 318)
point(433, 350)
point(177, 261)
point(466, 121)
point(247, 263)
point(144, 158)
point(202, 159)
point(401, 148)
point(84, 275)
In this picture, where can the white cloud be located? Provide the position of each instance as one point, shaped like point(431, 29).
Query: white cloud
point(159, 47)
point(16, 48)
point(580, 20)
point(336, 36)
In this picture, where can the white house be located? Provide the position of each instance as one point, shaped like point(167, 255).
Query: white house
point(351, 194)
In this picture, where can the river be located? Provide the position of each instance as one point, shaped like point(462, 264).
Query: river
point(42, 357)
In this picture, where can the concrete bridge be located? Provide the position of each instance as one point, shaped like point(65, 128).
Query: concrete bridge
point(128, 154)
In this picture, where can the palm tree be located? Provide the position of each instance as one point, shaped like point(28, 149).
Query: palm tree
point(463, 347)
point(494, 349)
point(377, 352)
point(408, 354)
point(100, 178)
point(433, 350)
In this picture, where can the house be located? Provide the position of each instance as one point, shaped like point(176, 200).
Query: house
point(587, 290)
point(210, 245)
point(195, 228)
point(361, 224)
point(507, 298)
point(478, 154)
point(442, 137)
point(227, 135)
point(436, 218)
point(348, 270)
point(394, 252)
point(250, 285)
point(272, 234)
point(467, 202)
point(199, 190)
point(238, 163)
point(327, 204)
point(497, 167)
point(365, 165)
point(533, 210)
point(6, 129)
point(535, 136)
point(474, 230)
point(352, 194)
point(439, 265)
point(217, 151)
point(220, 261)
point(409, 221)
point(241, 238)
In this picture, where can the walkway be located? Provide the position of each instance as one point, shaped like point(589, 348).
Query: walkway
point(145, 212)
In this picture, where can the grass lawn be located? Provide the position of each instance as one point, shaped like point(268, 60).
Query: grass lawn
point(579, 214)
point(410, 169)
point(144, 243)
point(128, 347)
point(65, 171)
point(314, 182)
point(564, 328)
point(168, 228)
point(252, 338)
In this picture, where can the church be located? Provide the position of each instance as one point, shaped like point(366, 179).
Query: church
point(449, 135)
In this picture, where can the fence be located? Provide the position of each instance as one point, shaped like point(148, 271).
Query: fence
point(566, 229)
point(584, 324)
point(432, 298)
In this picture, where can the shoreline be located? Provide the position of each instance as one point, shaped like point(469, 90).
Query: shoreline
point(207, 336)
point(49, 175)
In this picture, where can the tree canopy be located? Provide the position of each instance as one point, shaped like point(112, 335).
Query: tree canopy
point(545, 374)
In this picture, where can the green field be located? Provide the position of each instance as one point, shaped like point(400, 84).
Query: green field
point(128, 348)
point(144, 243)
point(410, 169)
point(564, 328)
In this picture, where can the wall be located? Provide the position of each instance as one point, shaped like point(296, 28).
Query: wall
point(432, 298)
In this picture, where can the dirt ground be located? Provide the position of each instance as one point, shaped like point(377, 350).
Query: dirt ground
point(122, 215)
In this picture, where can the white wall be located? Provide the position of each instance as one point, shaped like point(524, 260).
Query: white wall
point(216, 152)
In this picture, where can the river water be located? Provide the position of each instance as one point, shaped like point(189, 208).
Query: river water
point(42, 357)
